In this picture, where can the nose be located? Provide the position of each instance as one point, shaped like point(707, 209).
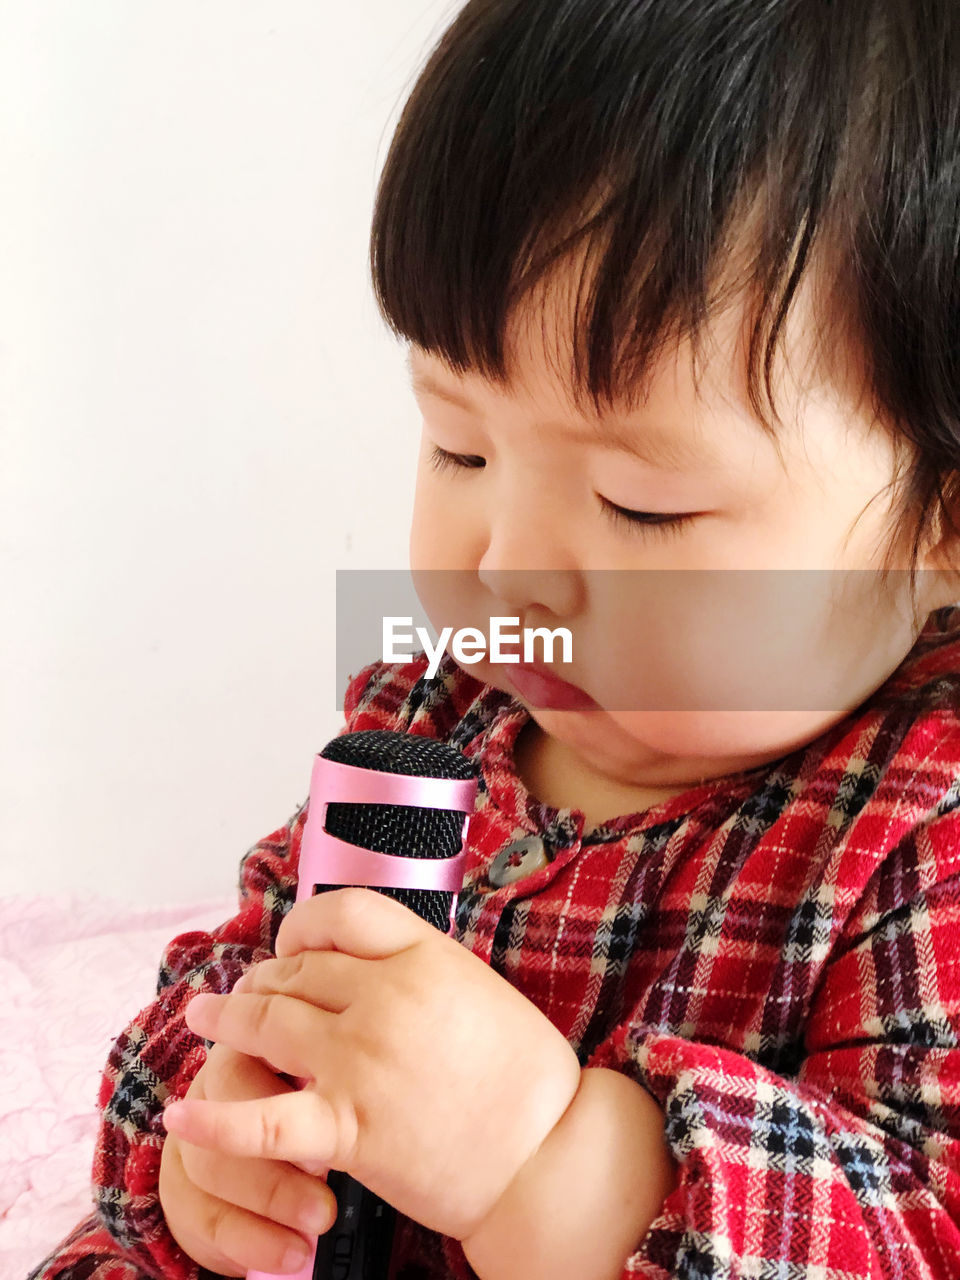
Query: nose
point(525, 565)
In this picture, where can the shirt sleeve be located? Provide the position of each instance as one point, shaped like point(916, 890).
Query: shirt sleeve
point(851, 1167)
point(156, 1057)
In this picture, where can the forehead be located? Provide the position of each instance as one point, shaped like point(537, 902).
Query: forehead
point(664, 449)
point(673, 421)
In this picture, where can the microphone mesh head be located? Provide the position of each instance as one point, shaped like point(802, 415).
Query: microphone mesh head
point(406, 831)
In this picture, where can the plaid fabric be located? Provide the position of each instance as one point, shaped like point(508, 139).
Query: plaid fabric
point(775, 956)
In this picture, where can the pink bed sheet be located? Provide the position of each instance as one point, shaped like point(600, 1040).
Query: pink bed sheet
point(73, 971)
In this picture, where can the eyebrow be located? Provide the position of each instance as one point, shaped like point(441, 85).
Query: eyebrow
point(658, 449)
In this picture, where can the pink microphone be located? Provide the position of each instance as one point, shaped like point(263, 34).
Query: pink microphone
point(370, 792)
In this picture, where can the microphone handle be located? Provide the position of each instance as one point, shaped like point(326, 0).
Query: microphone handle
point(359, 1244)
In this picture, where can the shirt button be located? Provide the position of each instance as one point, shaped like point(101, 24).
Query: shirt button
point(518, 859)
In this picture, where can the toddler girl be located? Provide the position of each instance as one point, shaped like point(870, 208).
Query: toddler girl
point(680, 287)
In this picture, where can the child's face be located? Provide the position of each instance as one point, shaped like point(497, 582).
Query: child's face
point(689, 670)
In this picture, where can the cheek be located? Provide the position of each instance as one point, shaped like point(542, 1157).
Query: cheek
point(422, 541)
point(434, 530)
point(750, 643)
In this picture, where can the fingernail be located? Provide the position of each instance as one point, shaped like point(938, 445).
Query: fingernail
point(172, 1113)
point(200, 1008)
point(316, 1217)
point(206, 1000)
point(295, 1258)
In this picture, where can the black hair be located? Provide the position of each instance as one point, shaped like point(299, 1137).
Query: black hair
point(647, 134)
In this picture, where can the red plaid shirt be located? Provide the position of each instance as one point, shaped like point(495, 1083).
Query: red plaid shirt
point(774, 955)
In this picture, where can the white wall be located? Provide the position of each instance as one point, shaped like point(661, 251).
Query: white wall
point(202, 417)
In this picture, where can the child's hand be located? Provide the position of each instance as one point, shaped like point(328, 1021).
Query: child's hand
point(234, 1215)
point(432, 1080)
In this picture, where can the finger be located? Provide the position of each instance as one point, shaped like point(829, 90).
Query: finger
point(327, 979)
point(282, 1031)
point(230, 1076)
point(222, 1237)
point(296, 1126)
point(362, 922)
point(271, 1189)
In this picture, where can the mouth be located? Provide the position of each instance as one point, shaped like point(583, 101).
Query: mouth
point(538, 685)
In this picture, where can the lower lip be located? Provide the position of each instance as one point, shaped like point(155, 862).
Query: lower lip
point(547, 691)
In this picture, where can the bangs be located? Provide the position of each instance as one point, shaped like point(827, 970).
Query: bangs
point(630, 144)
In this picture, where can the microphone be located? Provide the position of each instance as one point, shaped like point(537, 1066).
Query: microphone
point(388, 811)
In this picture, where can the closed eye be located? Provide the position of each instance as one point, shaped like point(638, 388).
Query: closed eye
point(441, 460)
point(660, 523)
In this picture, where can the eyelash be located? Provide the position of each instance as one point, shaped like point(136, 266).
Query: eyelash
point(442, 460)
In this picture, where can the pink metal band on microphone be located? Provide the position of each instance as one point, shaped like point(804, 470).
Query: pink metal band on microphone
point(326, 859)
point(333, 861)
point(349, 784)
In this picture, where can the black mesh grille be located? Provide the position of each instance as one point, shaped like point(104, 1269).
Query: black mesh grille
point(406, 831)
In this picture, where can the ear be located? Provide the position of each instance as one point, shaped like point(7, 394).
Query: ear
point(939, 581)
